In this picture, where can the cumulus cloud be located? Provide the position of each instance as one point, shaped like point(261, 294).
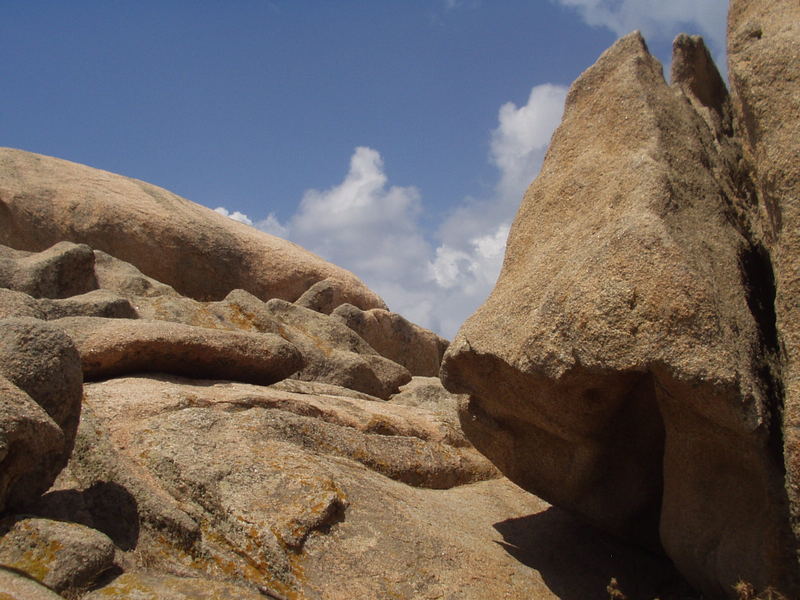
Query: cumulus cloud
point(235, 215)
point(363, 223)
point(472, 239)
point(520, 140)
point(373, 228)
point(272, 226)
point(656, 19)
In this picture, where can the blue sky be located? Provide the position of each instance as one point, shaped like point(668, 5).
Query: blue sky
point(392, 137)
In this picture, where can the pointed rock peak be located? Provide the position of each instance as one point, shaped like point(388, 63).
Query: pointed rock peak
point(629, 57)
point(631, 47)
point(694, 72)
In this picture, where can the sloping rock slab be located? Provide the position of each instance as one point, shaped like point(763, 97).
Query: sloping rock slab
point(145, 586)
point(18, 586)
point(257, 469)
point(407, 444)
point(286, 513)
point(197, 251)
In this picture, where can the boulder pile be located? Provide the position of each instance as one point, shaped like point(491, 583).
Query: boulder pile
point(225, 445)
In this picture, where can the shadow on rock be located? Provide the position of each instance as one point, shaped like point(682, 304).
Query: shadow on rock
point(578, 562)
point(105, 506)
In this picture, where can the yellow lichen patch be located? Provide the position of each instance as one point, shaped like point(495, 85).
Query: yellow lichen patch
point(243, 566)
point(37, 560)
point(242, 319)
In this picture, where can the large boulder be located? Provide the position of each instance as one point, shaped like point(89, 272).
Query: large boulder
point(31, 447)
point(63, 556)
point(199, 252)
point(113, 347)
point(17, 586)
point(63, 270)
point(764, 59)
point(418, 349)
point(42, 390)
point(620, 367)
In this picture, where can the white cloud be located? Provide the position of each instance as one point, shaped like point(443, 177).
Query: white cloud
point(363, 224)
point(373, 229)
point(472, 238)
point(272, 226)
point(657, 19)
point(235, 215)
point(522, 136)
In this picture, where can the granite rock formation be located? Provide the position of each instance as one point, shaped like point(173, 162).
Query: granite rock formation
point(246, 448)
point(764, 58)
point(393, 336)
point(233, 417)
point(200, 253)
point(628, 364)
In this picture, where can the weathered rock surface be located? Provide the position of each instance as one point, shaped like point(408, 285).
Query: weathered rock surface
point(97, 303)
point(60, 555)
point(112, 347)
point(288, 497)
point(265, 472)
point(16, 586)
point(125, 279)
point(429, 394)
point(200, 253)
point(332, 353)
point(63, 270)
point(41, 388)
point(620, 366)
point(335, 354)
point(636, 364)
point(18, 304)
point(144, 586)
point(31, 447)
point(764, 59)
point(416, 348)
point(322, 297)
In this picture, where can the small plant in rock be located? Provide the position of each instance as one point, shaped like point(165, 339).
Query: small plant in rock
point(746, 591)
point(614, 592)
